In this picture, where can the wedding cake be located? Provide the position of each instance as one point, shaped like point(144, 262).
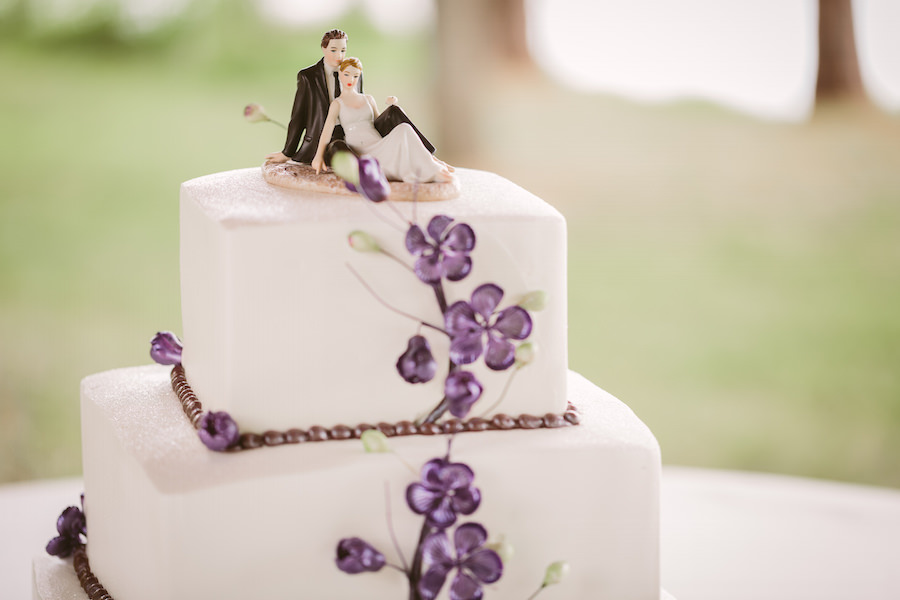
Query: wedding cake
point(372, 399)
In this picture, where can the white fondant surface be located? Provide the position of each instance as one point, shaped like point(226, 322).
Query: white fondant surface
point(54, 579)
point(170, 519)
point(280, 333)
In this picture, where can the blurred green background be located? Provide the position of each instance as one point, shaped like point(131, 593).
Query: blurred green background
point(736, 282)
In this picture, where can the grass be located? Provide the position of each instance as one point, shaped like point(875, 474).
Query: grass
point(735, 282)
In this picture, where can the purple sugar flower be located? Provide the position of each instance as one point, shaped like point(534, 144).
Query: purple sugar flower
point(166, 348)
point(445, 490)
point(444, 252)
point(475, 565)
point(373, 185)
point(462, 390)
point(71, 526)
point(469, 322)
point(218, 430)
point(357, 556)
point(417, 365)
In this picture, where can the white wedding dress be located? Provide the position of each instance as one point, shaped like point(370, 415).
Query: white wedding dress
point(401, 154)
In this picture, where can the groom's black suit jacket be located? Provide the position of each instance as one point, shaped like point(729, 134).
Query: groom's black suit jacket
point(310, 109)
point(308, 114)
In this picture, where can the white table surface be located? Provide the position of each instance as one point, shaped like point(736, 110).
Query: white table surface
point(725, 536)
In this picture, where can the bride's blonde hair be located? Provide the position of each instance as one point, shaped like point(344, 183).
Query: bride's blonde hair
point(351, 61)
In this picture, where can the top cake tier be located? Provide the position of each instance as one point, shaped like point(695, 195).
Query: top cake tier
point(286, 325)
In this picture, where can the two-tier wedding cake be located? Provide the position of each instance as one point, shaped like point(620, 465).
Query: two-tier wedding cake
point(372, 400)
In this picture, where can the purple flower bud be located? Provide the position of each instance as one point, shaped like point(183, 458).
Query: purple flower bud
point(357, 556)
point(166, 348)
point(373, 185)
point(462, 390)
point(417, 365)
point(218, 431)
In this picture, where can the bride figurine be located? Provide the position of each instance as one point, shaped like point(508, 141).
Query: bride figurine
point(400, 153)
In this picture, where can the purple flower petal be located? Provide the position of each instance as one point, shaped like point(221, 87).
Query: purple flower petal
point(484, 564)
point(71, 523)
point(460, 238)
point(465, 349)
point(466, 500)
point(218, 431)
point(417, 364)
point(500, 354)
point(460, 319)
point(457, 475)
point(432, 581)
point(468, 537)
point(462, 390)
point(442, 515)
point(420, 498)
point(464, 587)
point(437, 551)
point(437, 225)
point(485, 299)
point(416, 243)
point(432, 472)
point(62, 546)
point(166, 348)
point(354, 555)
point(455, 267)
point(428, 267)
point(514, 322)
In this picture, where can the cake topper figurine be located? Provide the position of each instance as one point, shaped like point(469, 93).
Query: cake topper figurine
point(401, 153)
point(315, 90)
point(317, 87)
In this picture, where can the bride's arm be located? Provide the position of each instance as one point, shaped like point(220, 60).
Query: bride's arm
point(374, 105)
point(318, 163)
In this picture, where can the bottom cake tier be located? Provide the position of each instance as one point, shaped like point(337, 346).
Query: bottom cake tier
point(169, 519)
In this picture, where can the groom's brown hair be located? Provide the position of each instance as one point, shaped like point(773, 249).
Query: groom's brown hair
point(334, 34)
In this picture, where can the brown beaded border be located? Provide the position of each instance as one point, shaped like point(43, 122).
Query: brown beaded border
point(248, 441)
point(89, 582)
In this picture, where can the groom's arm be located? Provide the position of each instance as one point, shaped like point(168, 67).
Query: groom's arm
point(299, 114)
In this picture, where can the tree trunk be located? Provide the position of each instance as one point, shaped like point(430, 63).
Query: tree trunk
point(478, 41)
point(838, 76)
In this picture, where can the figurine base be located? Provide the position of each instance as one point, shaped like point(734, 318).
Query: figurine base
point(299, 176)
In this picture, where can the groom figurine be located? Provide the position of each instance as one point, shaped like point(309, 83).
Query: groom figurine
point(317, 87)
